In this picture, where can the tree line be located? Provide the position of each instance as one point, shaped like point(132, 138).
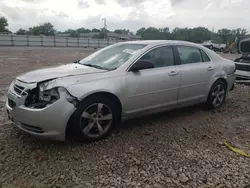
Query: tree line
point(198, 34)
point(47, 29)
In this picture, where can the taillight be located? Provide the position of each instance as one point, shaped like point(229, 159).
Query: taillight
point(234, 68)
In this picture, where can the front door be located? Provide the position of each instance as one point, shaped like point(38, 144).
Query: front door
point(154, 88)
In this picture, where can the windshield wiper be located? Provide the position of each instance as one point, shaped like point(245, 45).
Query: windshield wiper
point(78, 61)
point(95, 66)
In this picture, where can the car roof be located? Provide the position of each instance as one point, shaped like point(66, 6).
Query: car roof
point(246, 39)
point(160, 42)
point(152, 43)
point(156, 42)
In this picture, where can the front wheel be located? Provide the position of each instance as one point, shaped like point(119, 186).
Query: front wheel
point(217, 95)
point(93, 120)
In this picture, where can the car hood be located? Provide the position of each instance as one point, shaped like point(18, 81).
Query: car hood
point(72, 69)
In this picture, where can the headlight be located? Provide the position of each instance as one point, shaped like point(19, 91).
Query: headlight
point(49, 96)
point(47, 85)
point(49, 92)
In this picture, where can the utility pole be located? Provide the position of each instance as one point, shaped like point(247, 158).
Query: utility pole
point(105, 26)
point(212, 33)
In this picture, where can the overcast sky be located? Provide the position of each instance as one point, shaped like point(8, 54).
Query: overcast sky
point(129, 14)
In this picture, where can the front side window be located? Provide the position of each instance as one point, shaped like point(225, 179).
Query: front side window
point(189, 55)
point(112, 57)
point(160, 57)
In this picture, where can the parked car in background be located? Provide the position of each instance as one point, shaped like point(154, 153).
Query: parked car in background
point(85, 100)
point(213, 45)
point(243, 63)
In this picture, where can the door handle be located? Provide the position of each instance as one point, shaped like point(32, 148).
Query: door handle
point(173, 73)
point(210, 68)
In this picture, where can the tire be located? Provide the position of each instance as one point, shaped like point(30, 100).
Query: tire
point(217, 95)
point(95, 111)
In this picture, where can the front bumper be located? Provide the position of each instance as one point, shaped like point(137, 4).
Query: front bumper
point(49, 122)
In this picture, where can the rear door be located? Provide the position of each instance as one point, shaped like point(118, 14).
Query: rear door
point(196, 70)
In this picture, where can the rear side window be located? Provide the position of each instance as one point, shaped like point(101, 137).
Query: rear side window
point(204, 56)
point(189, 55)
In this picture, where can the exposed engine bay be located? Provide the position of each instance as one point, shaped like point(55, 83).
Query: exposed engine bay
point(243, 63)
point(37, 99)
point(42, 94)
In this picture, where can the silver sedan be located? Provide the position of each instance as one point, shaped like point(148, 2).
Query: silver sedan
point(86, 99)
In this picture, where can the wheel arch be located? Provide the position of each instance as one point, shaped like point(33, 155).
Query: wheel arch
point(215, 80)
point(208, 99)
point(223, 80)
point(109, 95)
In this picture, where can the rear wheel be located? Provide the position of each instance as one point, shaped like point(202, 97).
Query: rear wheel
point(217, 95)
point(93, 120)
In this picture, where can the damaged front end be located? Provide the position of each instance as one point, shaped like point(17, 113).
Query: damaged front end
point(242, 64)
point(46, 93)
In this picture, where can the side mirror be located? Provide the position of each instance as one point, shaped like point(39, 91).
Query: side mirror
point(142, 64)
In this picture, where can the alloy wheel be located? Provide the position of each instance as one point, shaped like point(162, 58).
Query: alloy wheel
point(218, 95)
point(96, 120)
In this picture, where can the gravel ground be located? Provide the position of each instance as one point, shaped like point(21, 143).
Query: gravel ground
point(181, 148)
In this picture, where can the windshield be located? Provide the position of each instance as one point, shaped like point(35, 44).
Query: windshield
point(112, 57)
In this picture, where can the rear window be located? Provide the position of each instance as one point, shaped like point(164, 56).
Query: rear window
point(205, 57)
